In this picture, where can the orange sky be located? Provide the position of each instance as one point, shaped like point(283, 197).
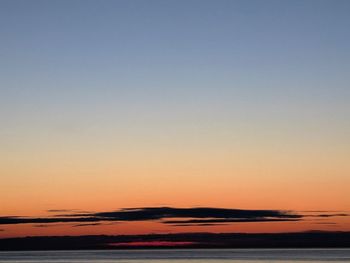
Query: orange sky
point(296, 177)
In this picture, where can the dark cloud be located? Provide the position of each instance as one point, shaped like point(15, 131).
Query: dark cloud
point(92, 224)
point(63, 212)
point(196, 215)
point(326, 223)
point(320, 211)
point(31, 220)
point(152, 213)
point(203, 224)
point(323, 216)
point(47, 225)
point(329, 215)
point(227, 220)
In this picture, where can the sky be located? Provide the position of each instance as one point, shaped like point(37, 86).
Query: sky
point(107, 105)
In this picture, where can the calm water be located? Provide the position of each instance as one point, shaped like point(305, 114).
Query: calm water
point(179, 255)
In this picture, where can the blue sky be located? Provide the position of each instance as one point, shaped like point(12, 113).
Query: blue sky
point(90, 53)
point(87, 63)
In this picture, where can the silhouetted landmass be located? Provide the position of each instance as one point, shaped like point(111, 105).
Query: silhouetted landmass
point(312, 239)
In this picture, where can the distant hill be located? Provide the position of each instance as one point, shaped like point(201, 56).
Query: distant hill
point(310, 239)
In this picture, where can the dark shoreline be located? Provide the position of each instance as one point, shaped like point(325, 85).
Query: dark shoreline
point(312, 239)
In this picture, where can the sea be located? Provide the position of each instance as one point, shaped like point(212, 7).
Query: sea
point(178, 255)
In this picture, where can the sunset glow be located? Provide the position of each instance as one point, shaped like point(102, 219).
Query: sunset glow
point(170, 107)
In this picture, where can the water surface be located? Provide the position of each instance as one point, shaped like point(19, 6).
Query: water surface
point(178, 255)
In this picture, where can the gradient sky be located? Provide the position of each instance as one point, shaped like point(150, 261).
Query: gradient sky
point(113, 104)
